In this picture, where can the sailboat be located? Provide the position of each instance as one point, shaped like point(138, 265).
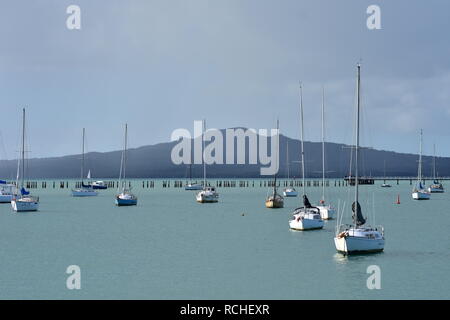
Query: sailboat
point(6, 191)
point(358, 238)
point(327, 212)
point(96, 185)
point(86, 190)
point(275, 200)
point(289, 191)
point(385, 185)
point(306, 217)
point(124, 196)
point(100, 185)
point(191, 185)
point(436, 187)
point(419, 192)
point(207, 194)
point(23, 200)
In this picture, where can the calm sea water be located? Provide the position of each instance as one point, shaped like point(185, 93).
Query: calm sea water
point(170, 247)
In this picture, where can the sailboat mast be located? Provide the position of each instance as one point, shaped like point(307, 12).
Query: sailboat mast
point(287, 158)
point(125, 152)
point(203, 153)
point(301, 139)
point(323, 144)
point(420, 157)
point(23, 148)
point(82, 157)
point(358, 102)
point(277, 151)
point(434, 162)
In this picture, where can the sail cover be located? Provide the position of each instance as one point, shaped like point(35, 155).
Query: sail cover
point(358, 218)
point(306, 202)
point(2, 182)
point(24, 192)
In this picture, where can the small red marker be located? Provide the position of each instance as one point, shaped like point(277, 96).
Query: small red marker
point(398, 199)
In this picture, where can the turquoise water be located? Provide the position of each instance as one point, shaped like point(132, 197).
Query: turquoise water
point(170, 247)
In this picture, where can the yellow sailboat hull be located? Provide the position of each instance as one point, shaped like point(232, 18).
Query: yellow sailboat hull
point(274, 204)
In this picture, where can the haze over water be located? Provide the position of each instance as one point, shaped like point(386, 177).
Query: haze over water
point(170, 247)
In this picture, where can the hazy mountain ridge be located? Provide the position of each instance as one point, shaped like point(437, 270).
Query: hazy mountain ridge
point(153, 161)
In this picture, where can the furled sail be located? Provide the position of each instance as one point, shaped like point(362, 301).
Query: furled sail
point(24, 192)
point(357, 217)
point(306, 202)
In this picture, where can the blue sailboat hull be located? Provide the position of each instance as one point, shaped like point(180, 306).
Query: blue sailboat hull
point(99, 187)
point(126, 202)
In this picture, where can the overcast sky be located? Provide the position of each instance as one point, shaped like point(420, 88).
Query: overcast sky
point(160, 65)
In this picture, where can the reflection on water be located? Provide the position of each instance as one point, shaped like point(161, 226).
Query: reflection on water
point(360, 258)
point(340, 258)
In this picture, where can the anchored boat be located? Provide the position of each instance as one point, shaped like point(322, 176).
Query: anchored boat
point(289, 191)
point(124, 195)
point(419, 192)
point(192, 185)
point(275, 200)
point(23, 200)
point(99, 185)
point(385, 185)
point(306, 217)
point(436, 187)
point(358, 238)
point(327, 212)
point(86, 190)
point(207, 194)
point(6, 191)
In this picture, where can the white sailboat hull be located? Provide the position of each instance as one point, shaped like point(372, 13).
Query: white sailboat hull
point(207, 197)
point(305, 224)
point(289, 192)
point(354, 245)
point(421, 195)
point(356, 240)
point(309, 220)
point(435, 190)
point(84, 193)
point(25, 204)
point(193, 186)
point(327, 212)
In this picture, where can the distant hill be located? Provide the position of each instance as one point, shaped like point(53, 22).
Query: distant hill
point(154, 162)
